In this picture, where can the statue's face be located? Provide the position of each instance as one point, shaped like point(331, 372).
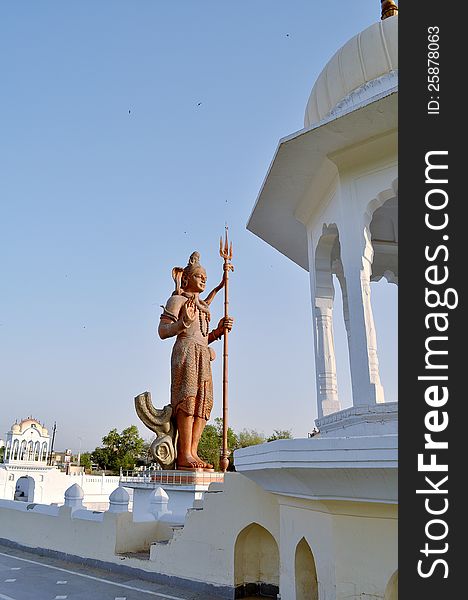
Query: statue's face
point(196, 280)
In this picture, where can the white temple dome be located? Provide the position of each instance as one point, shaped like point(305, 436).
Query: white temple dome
point(24, 424)
point(365, 66)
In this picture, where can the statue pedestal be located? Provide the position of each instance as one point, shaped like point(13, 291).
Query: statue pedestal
point(182, 477)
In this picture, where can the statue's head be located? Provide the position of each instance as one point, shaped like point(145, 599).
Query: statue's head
point(193, 276)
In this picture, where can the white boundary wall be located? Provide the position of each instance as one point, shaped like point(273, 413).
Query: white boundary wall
point(77, 532)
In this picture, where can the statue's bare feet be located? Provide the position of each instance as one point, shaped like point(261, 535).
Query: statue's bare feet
point(190, 462)
point(204, 464)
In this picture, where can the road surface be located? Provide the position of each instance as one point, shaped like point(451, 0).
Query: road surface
point(29, 576)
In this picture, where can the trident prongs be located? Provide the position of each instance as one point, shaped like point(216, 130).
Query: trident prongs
point(226, 251)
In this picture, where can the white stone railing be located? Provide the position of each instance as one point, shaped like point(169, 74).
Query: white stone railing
point(158, 477)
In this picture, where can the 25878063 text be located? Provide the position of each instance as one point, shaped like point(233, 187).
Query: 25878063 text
point(433, 70)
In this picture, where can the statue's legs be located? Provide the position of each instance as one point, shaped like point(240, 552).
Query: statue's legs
point(185, 458)
point(198, 427)
point(190, 429)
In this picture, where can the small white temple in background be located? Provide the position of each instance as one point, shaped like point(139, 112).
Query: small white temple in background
point(26, 475)
point(27, 442)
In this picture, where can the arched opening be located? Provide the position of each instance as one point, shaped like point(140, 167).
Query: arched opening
point(256, 563)
point(384, 300)
point(327, 273)
point(24, 489)
point(44, 451)
point(30, 456)
point(384, 237)
point(391, 591)
point(384, 297)
point(341, 334)
point(37, 449)
point(22, 454)
point(305, 573)
point(15, 450)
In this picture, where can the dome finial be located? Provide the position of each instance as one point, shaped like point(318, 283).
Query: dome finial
point(389, 9)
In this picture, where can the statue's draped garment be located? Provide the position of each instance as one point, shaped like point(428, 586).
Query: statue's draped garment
point(191, 379)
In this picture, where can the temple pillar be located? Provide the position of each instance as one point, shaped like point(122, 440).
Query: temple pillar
point(325, 363)
point(362, 339)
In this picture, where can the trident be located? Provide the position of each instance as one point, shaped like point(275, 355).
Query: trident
point(226, 253)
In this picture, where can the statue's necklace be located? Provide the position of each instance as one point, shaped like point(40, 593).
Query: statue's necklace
point(204, 331)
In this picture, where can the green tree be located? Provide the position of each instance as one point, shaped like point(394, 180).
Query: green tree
point(105, 459)
point(232, 440)
point(280, 434)
point(144, 458)
point(111, 440)
point(85, 461)
point(211, 443)
point(119, 450)
point(250, 437)
point(131, 442)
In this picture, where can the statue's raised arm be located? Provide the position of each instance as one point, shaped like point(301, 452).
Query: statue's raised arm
point(211, 296)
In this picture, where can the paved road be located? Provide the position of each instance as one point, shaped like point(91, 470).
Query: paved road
point(28, 576)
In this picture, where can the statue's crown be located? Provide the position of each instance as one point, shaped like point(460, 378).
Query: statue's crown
point(194, 261)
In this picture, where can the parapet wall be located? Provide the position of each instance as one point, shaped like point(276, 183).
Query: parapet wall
point(77, 532)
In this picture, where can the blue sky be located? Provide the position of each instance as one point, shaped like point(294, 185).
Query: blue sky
point(130, 133)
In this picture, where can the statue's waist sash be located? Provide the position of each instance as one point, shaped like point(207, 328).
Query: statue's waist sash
point(193, 338)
